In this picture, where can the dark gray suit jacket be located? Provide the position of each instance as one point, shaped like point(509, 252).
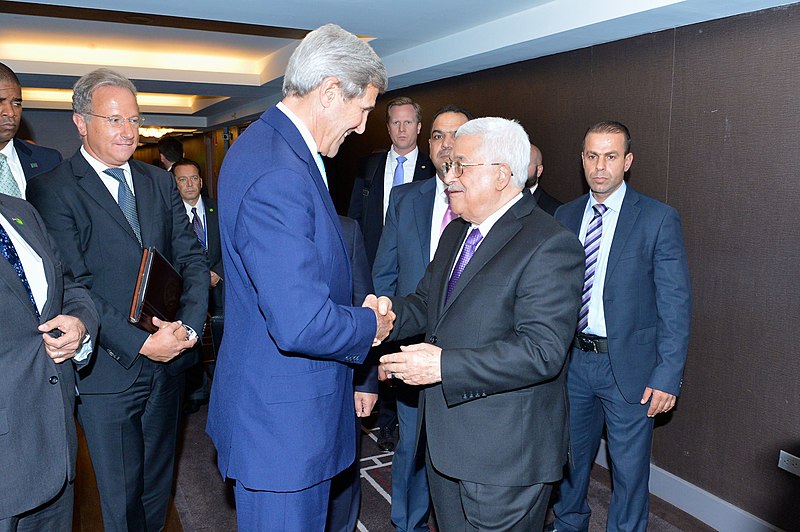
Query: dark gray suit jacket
point(99, 246)
point(37, 396)
point(499, 414)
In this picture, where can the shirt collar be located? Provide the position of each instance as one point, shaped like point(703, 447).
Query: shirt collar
point(100, 166)
point(613, 202)
point(492, 219)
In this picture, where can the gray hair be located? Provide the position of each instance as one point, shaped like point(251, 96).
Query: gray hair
point(332, 51)
point(85, 87)
point(502, 141)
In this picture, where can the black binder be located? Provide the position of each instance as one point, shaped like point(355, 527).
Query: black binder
point(158, 291)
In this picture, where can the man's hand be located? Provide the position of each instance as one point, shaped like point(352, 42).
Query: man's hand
point(416, 364)
point(660, 402)
point(365, 402)
point(168, 342)
point(215, 279)
point(382, 307)
point(72, 333)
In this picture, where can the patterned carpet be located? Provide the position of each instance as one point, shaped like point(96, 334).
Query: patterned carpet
point(205, 502)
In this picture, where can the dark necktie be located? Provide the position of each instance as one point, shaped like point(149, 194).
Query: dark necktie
point(126, 200)
point(8, 185)
point(197, 225)
point(398, 172)
point(10, 253)
point(470, 245)
point(591, 247)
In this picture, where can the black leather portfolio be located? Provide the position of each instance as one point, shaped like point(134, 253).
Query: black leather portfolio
point(158, 291)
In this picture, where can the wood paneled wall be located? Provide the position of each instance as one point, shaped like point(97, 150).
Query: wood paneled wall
point(714, 111)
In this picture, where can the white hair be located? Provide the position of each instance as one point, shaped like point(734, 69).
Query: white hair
point(502, 141)
point(332, 51)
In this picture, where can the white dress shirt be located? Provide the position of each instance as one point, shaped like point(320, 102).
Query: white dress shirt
point(111, 183)
point(440, 203)
point(306, 134)
point(597, 319)
point(409, 165)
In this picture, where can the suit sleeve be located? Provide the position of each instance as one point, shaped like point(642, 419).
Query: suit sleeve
point(274, 234)
point(76, 300)
point(54, 205)
point(365, 377)
point(386, 268)
point(534, 350)
point(673, 305)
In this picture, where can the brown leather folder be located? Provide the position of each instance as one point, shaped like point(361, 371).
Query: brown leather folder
point(158, 291)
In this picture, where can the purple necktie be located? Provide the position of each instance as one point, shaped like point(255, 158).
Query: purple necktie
point(398, 172)
point(591, 247)
point(197, 225)
point(470, 245)
point(449, 215)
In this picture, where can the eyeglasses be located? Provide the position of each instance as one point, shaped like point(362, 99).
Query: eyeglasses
point(184, 178)
point(458, 167)
point(117, 121)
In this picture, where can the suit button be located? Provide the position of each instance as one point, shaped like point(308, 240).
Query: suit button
point(433, 339)
point(53, 380)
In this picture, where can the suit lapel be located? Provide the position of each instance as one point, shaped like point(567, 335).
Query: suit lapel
point(89, 181)
point(423, 211)
point(7, 272)
point(625, 222)
point(145, 205)
point(25, 159)
point(420, 169)
point(503, 230)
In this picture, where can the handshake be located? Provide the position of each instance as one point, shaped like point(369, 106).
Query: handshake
point(382, 307)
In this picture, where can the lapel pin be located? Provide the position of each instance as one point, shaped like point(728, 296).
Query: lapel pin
point(34, 165)
point(19, 221)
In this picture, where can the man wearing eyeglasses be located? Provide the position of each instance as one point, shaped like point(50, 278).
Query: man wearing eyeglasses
point(418, 213)
point(498, 306)
point(19, 160)
point(102, 207)
point(203, 217)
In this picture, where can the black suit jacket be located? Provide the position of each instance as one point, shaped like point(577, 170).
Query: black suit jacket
point(545, 201)
point(366, 201)
point(499, 415)
point(37, 396)
point(99, 246)
point(36, 159)
point(214, 253)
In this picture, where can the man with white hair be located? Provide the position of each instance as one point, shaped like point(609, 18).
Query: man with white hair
point(282, 404)
point(498, 305)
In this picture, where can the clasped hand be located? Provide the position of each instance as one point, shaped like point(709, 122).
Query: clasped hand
point(417, 364)
point(169, 341)
point(382, 307)
point(66, 345)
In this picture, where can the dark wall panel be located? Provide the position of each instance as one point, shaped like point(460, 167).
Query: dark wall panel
point(714, 110)
point(733, 168)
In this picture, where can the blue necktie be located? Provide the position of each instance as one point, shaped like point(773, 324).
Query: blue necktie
point(470, 245)
point(197, 225)
point(398, 172)
point(126, 201)
point(591, 248)
point(8, 250)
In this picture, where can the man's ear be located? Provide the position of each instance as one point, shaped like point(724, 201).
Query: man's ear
point(80, 123)
point(503, 176)
point(327, 90)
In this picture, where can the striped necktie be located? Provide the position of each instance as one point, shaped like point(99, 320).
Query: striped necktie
point(591, 247)
point(470, 245)
point(197, 225)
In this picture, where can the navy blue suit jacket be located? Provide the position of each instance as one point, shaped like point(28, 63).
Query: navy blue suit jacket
point(36, 159)
point(404, 249)
point(290, 330)
point(647, 294)
point(366, 201)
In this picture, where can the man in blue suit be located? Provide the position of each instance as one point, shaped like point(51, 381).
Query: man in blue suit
point(23, 159)
point(281, 411)
point(633, 331)
point(418, 213)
